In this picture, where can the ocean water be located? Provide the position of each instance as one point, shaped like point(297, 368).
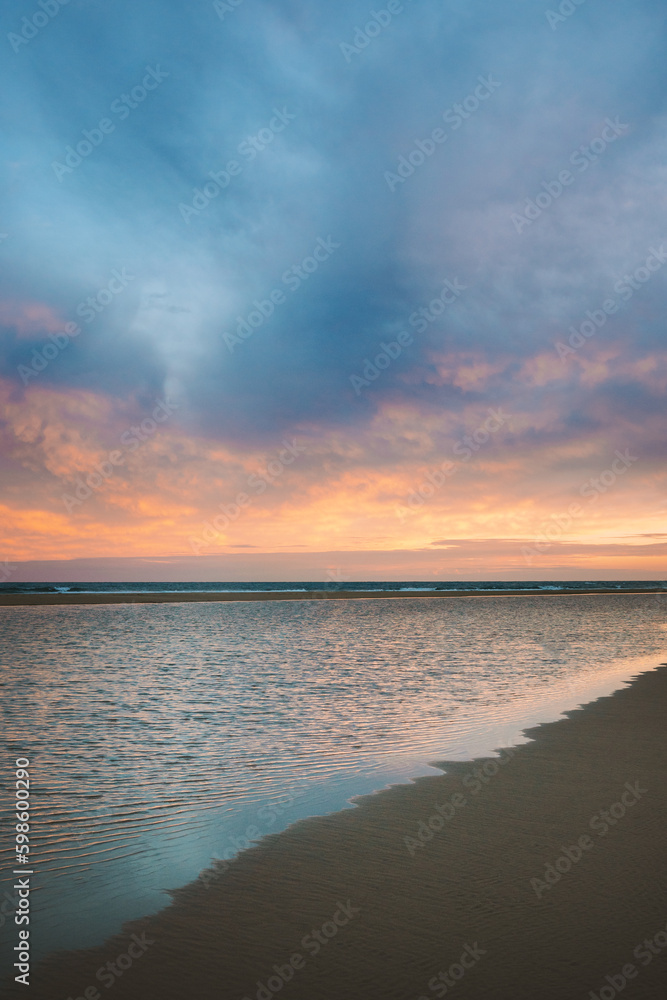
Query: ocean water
point(162, 736)
point(332, 585)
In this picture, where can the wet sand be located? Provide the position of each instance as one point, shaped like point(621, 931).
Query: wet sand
point(20, 600)
point(587, 796)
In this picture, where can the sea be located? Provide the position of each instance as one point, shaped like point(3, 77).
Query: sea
point(164, 736)
point(331, 585)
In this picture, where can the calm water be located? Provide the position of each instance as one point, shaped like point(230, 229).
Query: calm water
point(162, 736)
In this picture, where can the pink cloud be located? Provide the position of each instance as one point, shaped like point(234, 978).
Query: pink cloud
point(29, 319)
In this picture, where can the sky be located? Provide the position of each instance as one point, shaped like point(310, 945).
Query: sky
point(306, 290)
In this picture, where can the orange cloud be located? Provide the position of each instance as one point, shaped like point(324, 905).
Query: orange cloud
point(380, 488)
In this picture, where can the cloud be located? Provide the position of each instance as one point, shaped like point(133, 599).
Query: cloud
point(313, 135)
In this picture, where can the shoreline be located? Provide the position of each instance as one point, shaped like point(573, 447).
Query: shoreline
point(23, 600)
point(543, 866)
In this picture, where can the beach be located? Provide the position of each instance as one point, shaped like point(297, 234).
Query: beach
point(178, 597)
point(333, 580)
point(538, 873)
